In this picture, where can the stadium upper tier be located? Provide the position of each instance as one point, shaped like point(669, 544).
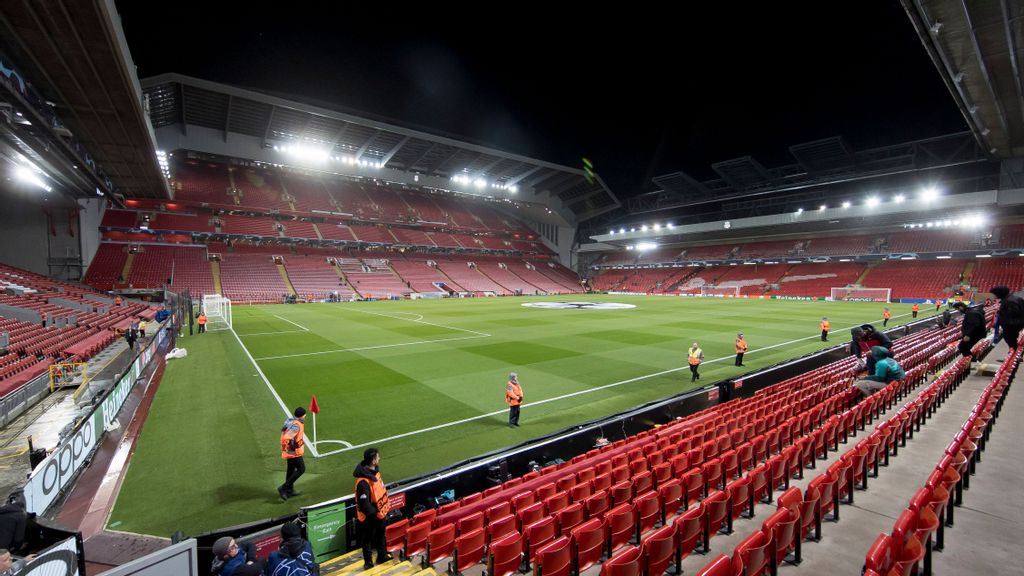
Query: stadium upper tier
point(1009, 237)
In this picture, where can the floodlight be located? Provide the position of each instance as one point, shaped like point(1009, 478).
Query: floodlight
point(930, 224)
point(670, 225)
point(846, 204)
point(642, 246)
point(480, 183)
point(873, 201)
point(643, 228)
point(799, 210)
point(514, 188)
point(899, 198)
point(622, 230)
point(822, 208)
point(929, 194)
point(30, 176)
point(657, 226)
point(611, 232)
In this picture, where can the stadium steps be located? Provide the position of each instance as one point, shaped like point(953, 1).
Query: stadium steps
point(525, 281)
point(127, 270)
point(968, 271)
point(864, 274)
point(488, 276)
point(343, 278)
point(676, 285)
point(286, 279)
point(317, 230)
point(215, 269)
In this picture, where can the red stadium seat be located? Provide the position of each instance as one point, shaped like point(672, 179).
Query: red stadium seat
point(469, 551)
point(554, 559)
point(625, 563)
point(506, 556)
point(394, 536)
point(570, 517)
point(657, 550)
point(621, 522)
point(721, 566)
point(588, 544)
point(752, 556)
point(440, 544)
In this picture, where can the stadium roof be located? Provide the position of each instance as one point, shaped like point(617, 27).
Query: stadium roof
point(175, 99)
point(976, 47)
point(73, 53)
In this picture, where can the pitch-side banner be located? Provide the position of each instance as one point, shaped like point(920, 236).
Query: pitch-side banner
point(55, 473)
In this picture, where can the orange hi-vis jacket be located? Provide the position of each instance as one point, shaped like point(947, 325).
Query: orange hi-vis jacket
point(825, 325)
point(915, 307)
point(379, 494)
point(741, 345)
point(293, 429)
point(202, 319)
point(887, 315)
point(513, 393)
point(694, 356)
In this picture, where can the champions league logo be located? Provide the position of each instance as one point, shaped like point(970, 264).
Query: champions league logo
point(579, 305)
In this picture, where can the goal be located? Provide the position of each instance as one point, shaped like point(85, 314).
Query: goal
point(862, 294)
point(723, 291)
point(218, 312)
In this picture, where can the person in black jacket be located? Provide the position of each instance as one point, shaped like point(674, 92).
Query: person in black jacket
point(972, 328)
point(863, 339)
point(1011, 314)
point(372, 507)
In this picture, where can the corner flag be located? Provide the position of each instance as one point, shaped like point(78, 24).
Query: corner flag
point(313, 406)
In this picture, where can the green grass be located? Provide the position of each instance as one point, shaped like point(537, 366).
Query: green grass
point(211, 439)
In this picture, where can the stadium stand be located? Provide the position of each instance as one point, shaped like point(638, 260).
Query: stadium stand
point(933, 241)
point(251, 277)
point(989, 272)
point(530, 274)
point(817, 279)
point(914, 278)
point(107, 265)
point(421, 276)
point(255, 189)
point(465, 273)
point(314, 278)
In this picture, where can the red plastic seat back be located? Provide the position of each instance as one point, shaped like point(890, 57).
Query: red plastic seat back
point(500, 527)
point(720, 566)
point(540, 533)
point(530, 514)
point(571, 517)
point(416, 538)
point(556, 502)
point(554, 559)
point(625, 563)
point(689, 530)
point(671, 495)
point(474, 521)
point(440, 543)
point(394, 536)
point(648, 507)
point(621, 524)
point(598, 504)
point(781, 525)
point(754, 553)
point(469, 550)
point(658, 549)
point(717, 505)
point(506, 555)
point(587, 543)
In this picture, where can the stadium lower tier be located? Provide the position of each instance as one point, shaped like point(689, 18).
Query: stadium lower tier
point(939, 279)
point(247, 273)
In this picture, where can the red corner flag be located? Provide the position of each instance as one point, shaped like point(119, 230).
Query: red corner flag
point(313, 406)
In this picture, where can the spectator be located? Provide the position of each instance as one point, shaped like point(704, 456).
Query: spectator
point(886, 370)
point(295, 555)
point(9, 565)
point(972, 327)
point(865, 337)
point(1011, 314)
point(130, 336)
point(228, 557)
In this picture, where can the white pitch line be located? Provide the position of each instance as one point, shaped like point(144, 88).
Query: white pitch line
point(360, 349)
point(421, 321)
point(272, 333)
point(570, 395)
point(342, 442)
point(292, 323)
point(312, 447)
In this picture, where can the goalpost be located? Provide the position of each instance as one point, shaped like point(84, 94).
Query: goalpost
point(862, 294)
point(218, 312)
point(723, 291)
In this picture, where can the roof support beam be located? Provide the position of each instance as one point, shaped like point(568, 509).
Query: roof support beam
point(341, 134)
point(366, 145)
point(1013, 55)
point(270, 122)
point(227, 117)
point(520, 178)
point(394, 149)
point(421, 156)
point(984, 69)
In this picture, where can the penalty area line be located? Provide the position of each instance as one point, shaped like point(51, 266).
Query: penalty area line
point(569, 395)
point(304, 329)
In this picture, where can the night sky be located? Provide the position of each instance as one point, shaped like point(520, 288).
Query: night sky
point(639, 93)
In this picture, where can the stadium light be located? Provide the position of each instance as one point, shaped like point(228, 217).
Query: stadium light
point(622, 230)
point(632, 229)
point(982, 255)
point(480, 183)
point(657, 226)
point(799, 211)
point(644, 246)
point(643, 228)
point(822, 208)
point(670, 225)
point(908, 258)
point(873, 201)
point(943, 257)
point(611, 232)
point(513, 188)
point(844, 259)
point(929, 194)
point(846, 204)
point(930, 224)
point(899, 198)
point(31, 176)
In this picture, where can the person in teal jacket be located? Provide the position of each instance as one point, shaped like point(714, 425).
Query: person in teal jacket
point(887, 370)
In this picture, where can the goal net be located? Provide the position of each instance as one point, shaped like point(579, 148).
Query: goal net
point(724, 291)
point(218, 312)
point(862, 294)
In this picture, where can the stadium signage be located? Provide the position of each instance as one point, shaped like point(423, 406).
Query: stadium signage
point(579, 305)
point(59, 560)
point(60, 468)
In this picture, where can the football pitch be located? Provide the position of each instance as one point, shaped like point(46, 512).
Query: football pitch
point(424, 382)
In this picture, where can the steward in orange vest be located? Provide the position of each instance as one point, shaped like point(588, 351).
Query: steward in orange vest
point(514, 398)
point(694, 356)
point(825, 327)
point(886, 316)
point(741, 348)
point(201, 319)
point(372, 506)
point(914, 310)
point(293, 446)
